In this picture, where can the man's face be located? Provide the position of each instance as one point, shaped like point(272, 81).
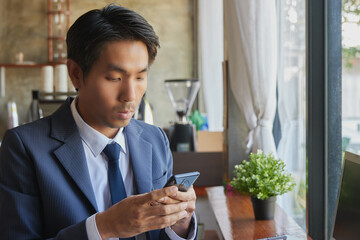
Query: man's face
point(113, 88)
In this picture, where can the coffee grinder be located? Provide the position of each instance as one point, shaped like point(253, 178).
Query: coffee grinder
point(182, 93)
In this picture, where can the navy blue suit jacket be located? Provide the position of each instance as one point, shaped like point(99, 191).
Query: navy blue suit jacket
point(45, 188)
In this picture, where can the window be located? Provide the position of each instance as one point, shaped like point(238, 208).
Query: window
point(351, 76)
point(323, 118)
point(292, 102)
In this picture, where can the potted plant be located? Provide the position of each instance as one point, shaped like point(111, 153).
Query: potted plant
point(263, 177)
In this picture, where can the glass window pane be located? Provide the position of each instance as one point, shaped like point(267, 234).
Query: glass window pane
point(292, 103)
point(351, 76)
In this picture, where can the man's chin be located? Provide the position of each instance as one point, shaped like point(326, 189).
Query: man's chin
point(120, 123)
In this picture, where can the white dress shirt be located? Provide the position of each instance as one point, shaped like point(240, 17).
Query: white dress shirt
point(94, 143)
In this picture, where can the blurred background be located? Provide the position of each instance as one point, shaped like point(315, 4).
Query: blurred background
point(24, 29)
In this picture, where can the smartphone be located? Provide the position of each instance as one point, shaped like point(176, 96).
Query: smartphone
point(183, 181)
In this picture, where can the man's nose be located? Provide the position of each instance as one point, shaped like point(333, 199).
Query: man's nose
point(127, 91)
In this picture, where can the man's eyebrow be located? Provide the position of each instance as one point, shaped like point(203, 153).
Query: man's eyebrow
point(144, 70)
point(113, 67)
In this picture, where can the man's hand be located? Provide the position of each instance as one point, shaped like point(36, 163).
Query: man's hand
point(181, 227)
point(136, 214)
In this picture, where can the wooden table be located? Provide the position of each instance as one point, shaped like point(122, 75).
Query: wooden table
point(234, 214)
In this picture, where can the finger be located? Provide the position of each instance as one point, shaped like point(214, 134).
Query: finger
point(158, 194)
point(167, 220)
point(167, 200)
point(185, 196)
point(154, 203)
point(191, 207)
point(163, 210)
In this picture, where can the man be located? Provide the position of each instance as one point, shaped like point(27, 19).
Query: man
point(90, 170)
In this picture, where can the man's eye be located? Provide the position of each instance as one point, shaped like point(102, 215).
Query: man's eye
point(113, 79)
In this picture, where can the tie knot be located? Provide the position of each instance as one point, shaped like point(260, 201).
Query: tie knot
point(112, 152)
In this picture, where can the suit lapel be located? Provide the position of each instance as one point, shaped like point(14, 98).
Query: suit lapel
point(141, 160)
point(140, 157)
point(71, 154)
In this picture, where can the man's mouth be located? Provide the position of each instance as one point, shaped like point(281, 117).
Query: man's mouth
point(125, 114)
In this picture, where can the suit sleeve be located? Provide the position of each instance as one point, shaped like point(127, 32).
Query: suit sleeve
point(168, 154)
point(193, 225)
point(20, 202)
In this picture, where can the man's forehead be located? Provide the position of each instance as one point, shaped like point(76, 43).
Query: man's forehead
point(119, 68)
point(110, 56)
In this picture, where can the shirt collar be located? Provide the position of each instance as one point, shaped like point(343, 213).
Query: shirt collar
point(95, 140)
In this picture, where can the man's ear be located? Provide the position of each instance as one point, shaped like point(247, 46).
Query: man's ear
point(75, 73)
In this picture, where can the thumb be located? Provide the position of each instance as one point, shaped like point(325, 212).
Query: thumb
point(158, 194)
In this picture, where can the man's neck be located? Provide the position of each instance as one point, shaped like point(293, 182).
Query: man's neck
point(106, 131)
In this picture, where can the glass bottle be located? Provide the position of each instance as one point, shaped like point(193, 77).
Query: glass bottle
point(35, 112)
point(13, 120)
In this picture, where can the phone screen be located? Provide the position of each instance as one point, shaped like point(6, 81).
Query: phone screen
point(183, 181)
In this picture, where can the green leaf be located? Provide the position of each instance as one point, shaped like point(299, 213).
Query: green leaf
point(262, 176)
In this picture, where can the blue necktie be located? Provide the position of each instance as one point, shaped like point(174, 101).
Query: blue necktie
point(117, 188)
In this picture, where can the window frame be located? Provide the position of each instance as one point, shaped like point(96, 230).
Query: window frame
point(323, 113)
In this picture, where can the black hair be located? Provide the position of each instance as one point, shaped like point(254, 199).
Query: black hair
point(91, 31)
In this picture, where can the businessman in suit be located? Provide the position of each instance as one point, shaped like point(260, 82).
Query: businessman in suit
point(90, 171)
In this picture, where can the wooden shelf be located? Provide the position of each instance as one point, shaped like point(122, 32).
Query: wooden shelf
point(30, 65)
point(54, 63)
point(63, 8)
point(200, 191)
point(60, 56)
point(59, 12)
point(235, 217)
